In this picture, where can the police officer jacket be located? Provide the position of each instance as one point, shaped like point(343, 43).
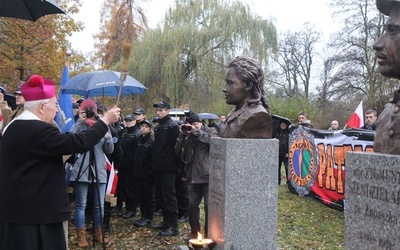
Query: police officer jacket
point(142, 167)
point(165, 134)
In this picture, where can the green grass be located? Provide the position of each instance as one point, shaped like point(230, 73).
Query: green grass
point(305, 223)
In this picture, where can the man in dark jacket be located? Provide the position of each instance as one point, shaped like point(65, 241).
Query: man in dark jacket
point(282, 134)
point(194, 139)
point(129, 141)
point(165, 164)
point(370, 120)
point(39, 202)
point(302, 121)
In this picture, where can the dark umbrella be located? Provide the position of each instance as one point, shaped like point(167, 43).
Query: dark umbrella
point(206, 116)
point(102, 83)
point(29, 9)
point(276, 121)
point(10, 100)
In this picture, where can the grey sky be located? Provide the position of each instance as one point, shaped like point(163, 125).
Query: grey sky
point(289, 14)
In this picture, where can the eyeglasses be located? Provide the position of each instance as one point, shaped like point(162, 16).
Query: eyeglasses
point(54, 104)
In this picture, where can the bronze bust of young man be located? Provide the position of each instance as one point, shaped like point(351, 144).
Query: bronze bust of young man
point(250, 118)
point(387, 49)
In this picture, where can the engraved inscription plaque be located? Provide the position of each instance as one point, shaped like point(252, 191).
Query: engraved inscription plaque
point(372, 205)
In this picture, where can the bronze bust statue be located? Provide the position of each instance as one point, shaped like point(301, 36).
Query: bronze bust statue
point(387, 51)
point(250, 118)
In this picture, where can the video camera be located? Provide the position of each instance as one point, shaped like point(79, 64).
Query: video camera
point(186, 128)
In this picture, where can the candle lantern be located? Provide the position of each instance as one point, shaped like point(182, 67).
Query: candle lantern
point(200, 243)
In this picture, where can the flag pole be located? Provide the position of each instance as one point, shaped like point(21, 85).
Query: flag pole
point(68, 53)
point(126, 51)
point(64, 104)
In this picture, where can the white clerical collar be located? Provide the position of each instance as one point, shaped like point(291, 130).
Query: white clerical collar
point(26, 115)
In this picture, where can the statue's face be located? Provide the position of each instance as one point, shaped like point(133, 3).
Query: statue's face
point(387, 47)
point(235, 89)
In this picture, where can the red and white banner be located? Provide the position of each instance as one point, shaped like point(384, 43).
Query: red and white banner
point(357, 118)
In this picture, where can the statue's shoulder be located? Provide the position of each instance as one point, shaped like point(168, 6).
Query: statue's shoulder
point(387, 112)
point(256, 111)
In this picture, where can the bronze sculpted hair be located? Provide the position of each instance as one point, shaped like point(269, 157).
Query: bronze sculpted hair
point(249, 70)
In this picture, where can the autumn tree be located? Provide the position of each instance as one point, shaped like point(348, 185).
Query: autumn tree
point(295, 59)
point(183, 60)
point(28, 48)
point(122, 21)
point(356, 68)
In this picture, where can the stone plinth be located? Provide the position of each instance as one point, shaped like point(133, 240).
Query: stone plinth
point(243, 200)
point(372, 208)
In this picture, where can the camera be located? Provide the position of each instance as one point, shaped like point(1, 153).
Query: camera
point(89, 111)
point(186, 128)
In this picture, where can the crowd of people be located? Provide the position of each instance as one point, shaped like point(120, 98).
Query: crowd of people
point(150, 157)
point(147, 155)
point(35, 205)
point(155, 174)
point(162, 164)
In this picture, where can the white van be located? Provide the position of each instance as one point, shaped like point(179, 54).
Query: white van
point(177, 114)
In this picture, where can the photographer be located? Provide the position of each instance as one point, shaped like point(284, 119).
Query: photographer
point(194, 146)
point(87, 166)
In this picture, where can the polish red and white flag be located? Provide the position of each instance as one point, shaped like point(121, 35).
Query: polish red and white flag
point(113, 178)
point(357, 118)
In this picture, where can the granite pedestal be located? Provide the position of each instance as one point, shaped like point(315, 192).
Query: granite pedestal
point(243, 200)
point(372, 204)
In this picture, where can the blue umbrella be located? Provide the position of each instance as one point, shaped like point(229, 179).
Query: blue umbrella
point(102, 83)
point(206, 116)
